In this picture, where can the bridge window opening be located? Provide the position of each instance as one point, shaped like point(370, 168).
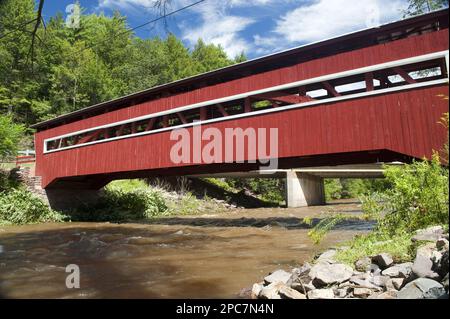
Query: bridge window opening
point(317, 93)
point(350, 87)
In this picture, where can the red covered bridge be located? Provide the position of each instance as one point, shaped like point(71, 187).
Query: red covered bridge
point(367, 97)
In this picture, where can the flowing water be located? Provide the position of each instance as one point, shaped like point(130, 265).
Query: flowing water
point(207, 256)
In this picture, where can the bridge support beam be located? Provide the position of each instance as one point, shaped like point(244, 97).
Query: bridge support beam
point(304, 190)
point(65, 200)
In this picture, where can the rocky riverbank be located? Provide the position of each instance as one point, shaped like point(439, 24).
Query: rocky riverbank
point(373, 277)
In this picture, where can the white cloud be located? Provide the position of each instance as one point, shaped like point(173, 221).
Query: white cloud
point(324, 19)
point(219, 27)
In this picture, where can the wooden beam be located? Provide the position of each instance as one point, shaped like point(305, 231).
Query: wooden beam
point(278, 97)
point(404, 75)
point(182, 118)
point(221, 110)
point(150, 124)
point(369, 81)
point(331, 90)
point(247, 105)
point(165, 121)
point(203, 114)
point(90, 137)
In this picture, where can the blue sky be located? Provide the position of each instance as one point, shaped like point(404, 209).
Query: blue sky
point(257, 27)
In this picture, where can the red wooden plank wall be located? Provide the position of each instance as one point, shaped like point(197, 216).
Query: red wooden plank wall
point(404, 122)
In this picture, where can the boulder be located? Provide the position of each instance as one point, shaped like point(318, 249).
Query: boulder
point(271, 291)
point(384, 295)
point(395, 283)
point(277, 276)
point(342, 292)
point(422, 288)
point(374, 270)
point(379, 281)
point(429, 234)
point(289, 293)
point(423, 267)
point(383, 260)
point(303, 287)
point(362, 292)
point(363, 264)
point(363, 283)
point(321, 294)
point(256, 290)
point(445, 283)
point(442, 267)
point(399, 271)
point(327, 274)
point(327, 256)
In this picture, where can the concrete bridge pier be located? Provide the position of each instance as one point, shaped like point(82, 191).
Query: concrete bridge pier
point(304, 189)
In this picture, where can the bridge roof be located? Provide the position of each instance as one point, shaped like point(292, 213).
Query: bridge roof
point(347, 42)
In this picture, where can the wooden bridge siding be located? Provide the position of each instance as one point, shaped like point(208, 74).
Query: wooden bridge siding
point(404, 122)
point(419, 45)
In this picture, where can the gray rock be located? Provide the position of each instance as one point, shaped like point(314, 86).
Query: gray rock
point(383, 260)
point(422, 288)
point(302, 287)
point(429, 234)
point(384, 295)
point(289, 293)
point(326, 274)
point(321, 294)
point(363, 264)
point(271, 291)
point(278, 276)
point(423, 267)
point(327, 256)
point(342, 292)
point(362, 292)
point(399, 271)
point(361, 283)
point(398, 283)
point(374, 270)
point(256, 290)
point(379, 281)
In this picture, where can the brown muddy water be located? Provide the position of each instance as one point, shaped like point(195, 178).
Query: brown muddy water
point(206, 256)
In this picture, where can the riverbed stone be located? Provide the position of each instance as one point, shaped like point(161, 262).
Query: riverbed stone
point(363, 283)
point(390, 294)
point(362, 292)
point(400, 270)
point(278, 276)
point(328, 274)
point(303, 287)
point(289, 293)
point(327, 256)
point(423, 265)
point(271, 291)
point(256, 290)
point(379, 280)
point(398, 283)
point(321, 294)
point(422, 288)
point(383, 260)
point(363, 264)
point(429, 234)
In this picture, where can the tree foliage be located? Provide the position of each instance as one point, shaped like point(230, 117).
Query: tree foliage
point(72, 68)
point(417, 7)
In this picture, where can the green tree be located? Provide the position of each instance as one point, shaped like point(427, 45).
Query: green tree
point(417, 7)
point(10, 134)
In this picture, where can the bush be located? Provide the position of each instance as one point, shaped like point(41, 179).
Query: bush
point(19, 206)
point(333, 189)
point(10, 135)
point(418, 198)
point(118, 205)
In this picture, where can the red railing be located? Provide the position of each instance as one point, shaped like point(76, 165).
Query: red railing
point(25, 159)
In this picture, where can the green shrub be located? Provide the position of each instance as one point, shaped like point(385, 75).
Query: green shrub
point(333, 189)
point(418, 198)
point(119, 205)
point(19, 206)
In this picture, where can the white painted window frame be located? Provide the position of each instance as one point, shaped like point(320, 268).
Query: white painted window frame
point(372, 68)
